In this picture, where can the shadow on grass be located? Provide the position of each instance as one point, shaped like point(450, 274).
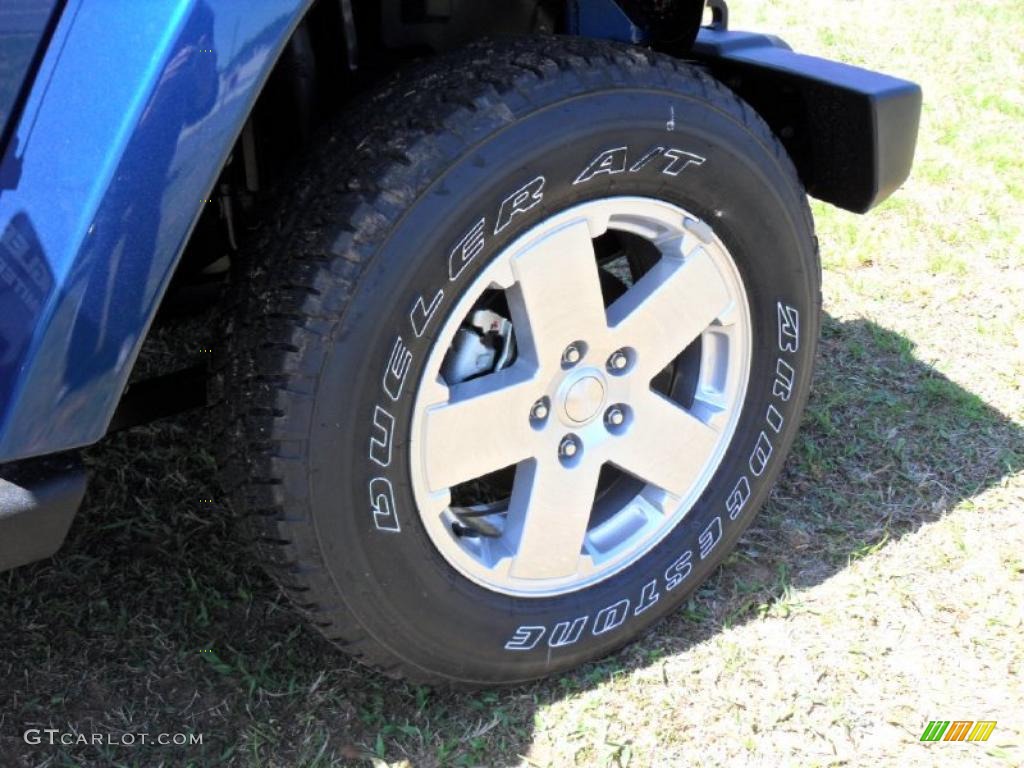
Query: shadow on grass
point(152, 618)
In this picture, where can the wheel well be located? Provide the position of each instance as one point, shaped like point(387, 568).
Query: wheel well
point(340, 49)
point(344, 47)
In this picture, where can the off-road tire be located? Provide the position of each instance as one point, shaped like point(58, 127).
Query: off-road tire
point(368, 229)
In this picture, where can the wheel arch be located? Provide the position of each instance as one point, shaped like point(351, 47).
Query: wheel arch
point(141, 142)
point(324, 52)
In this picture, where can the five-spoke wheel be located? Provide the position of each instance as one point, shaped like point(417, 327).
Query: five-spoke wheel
point(631, 334)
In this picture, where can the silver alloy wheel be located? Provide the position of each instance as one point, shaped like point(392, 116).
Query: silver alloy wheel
point(578, 396)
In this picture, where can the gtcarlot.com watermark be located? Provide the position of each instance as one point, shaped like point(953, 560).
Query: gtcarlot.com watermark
point(55, 736)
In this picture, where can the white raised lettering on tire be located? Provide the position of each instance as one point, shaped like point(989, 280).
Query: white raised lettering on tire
point(789, 328)
point(520, 201)
point(676, 573)
point(467, 249)
point(782, 387)
point(611, 161)
point(525, 638)
point(760, 455)
point(648, 597)
point(397, 369)
point(615, 160)
point(567, 632)
point(380, 440)
point(422, 314)
point(738, 497)
point(611, 617)
point(382, 503)
point(710, 536)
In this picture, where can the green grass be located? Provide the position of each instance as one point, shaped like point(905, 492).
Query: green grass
point(881, 587)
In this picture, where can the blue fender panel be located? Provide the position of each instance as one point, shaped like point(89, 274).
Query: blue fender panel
point(132, 114)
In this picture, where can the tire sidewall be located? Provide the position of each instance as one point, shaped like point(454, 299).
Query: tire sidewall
point(387, 570)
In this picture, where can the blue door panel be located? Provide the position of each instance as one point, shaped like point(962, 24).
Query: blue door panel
point(132, 113)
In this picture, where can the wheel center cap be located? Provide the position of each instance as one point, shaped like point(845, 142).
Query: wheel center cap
point(583, 399)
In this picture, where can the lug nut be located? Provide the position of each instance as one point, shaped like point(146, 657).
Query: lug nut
point(618, 361)
point(571, 355)
point(614, 417)
point(539, 412)
point(568, 447)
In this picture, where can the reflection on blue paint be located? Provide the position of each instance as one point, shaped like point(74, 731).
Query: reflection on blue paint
point(25, 286)
point(22, 25)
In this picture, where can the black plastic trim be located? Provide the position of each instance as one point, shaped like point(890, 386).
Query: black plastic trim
point(851, 132)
